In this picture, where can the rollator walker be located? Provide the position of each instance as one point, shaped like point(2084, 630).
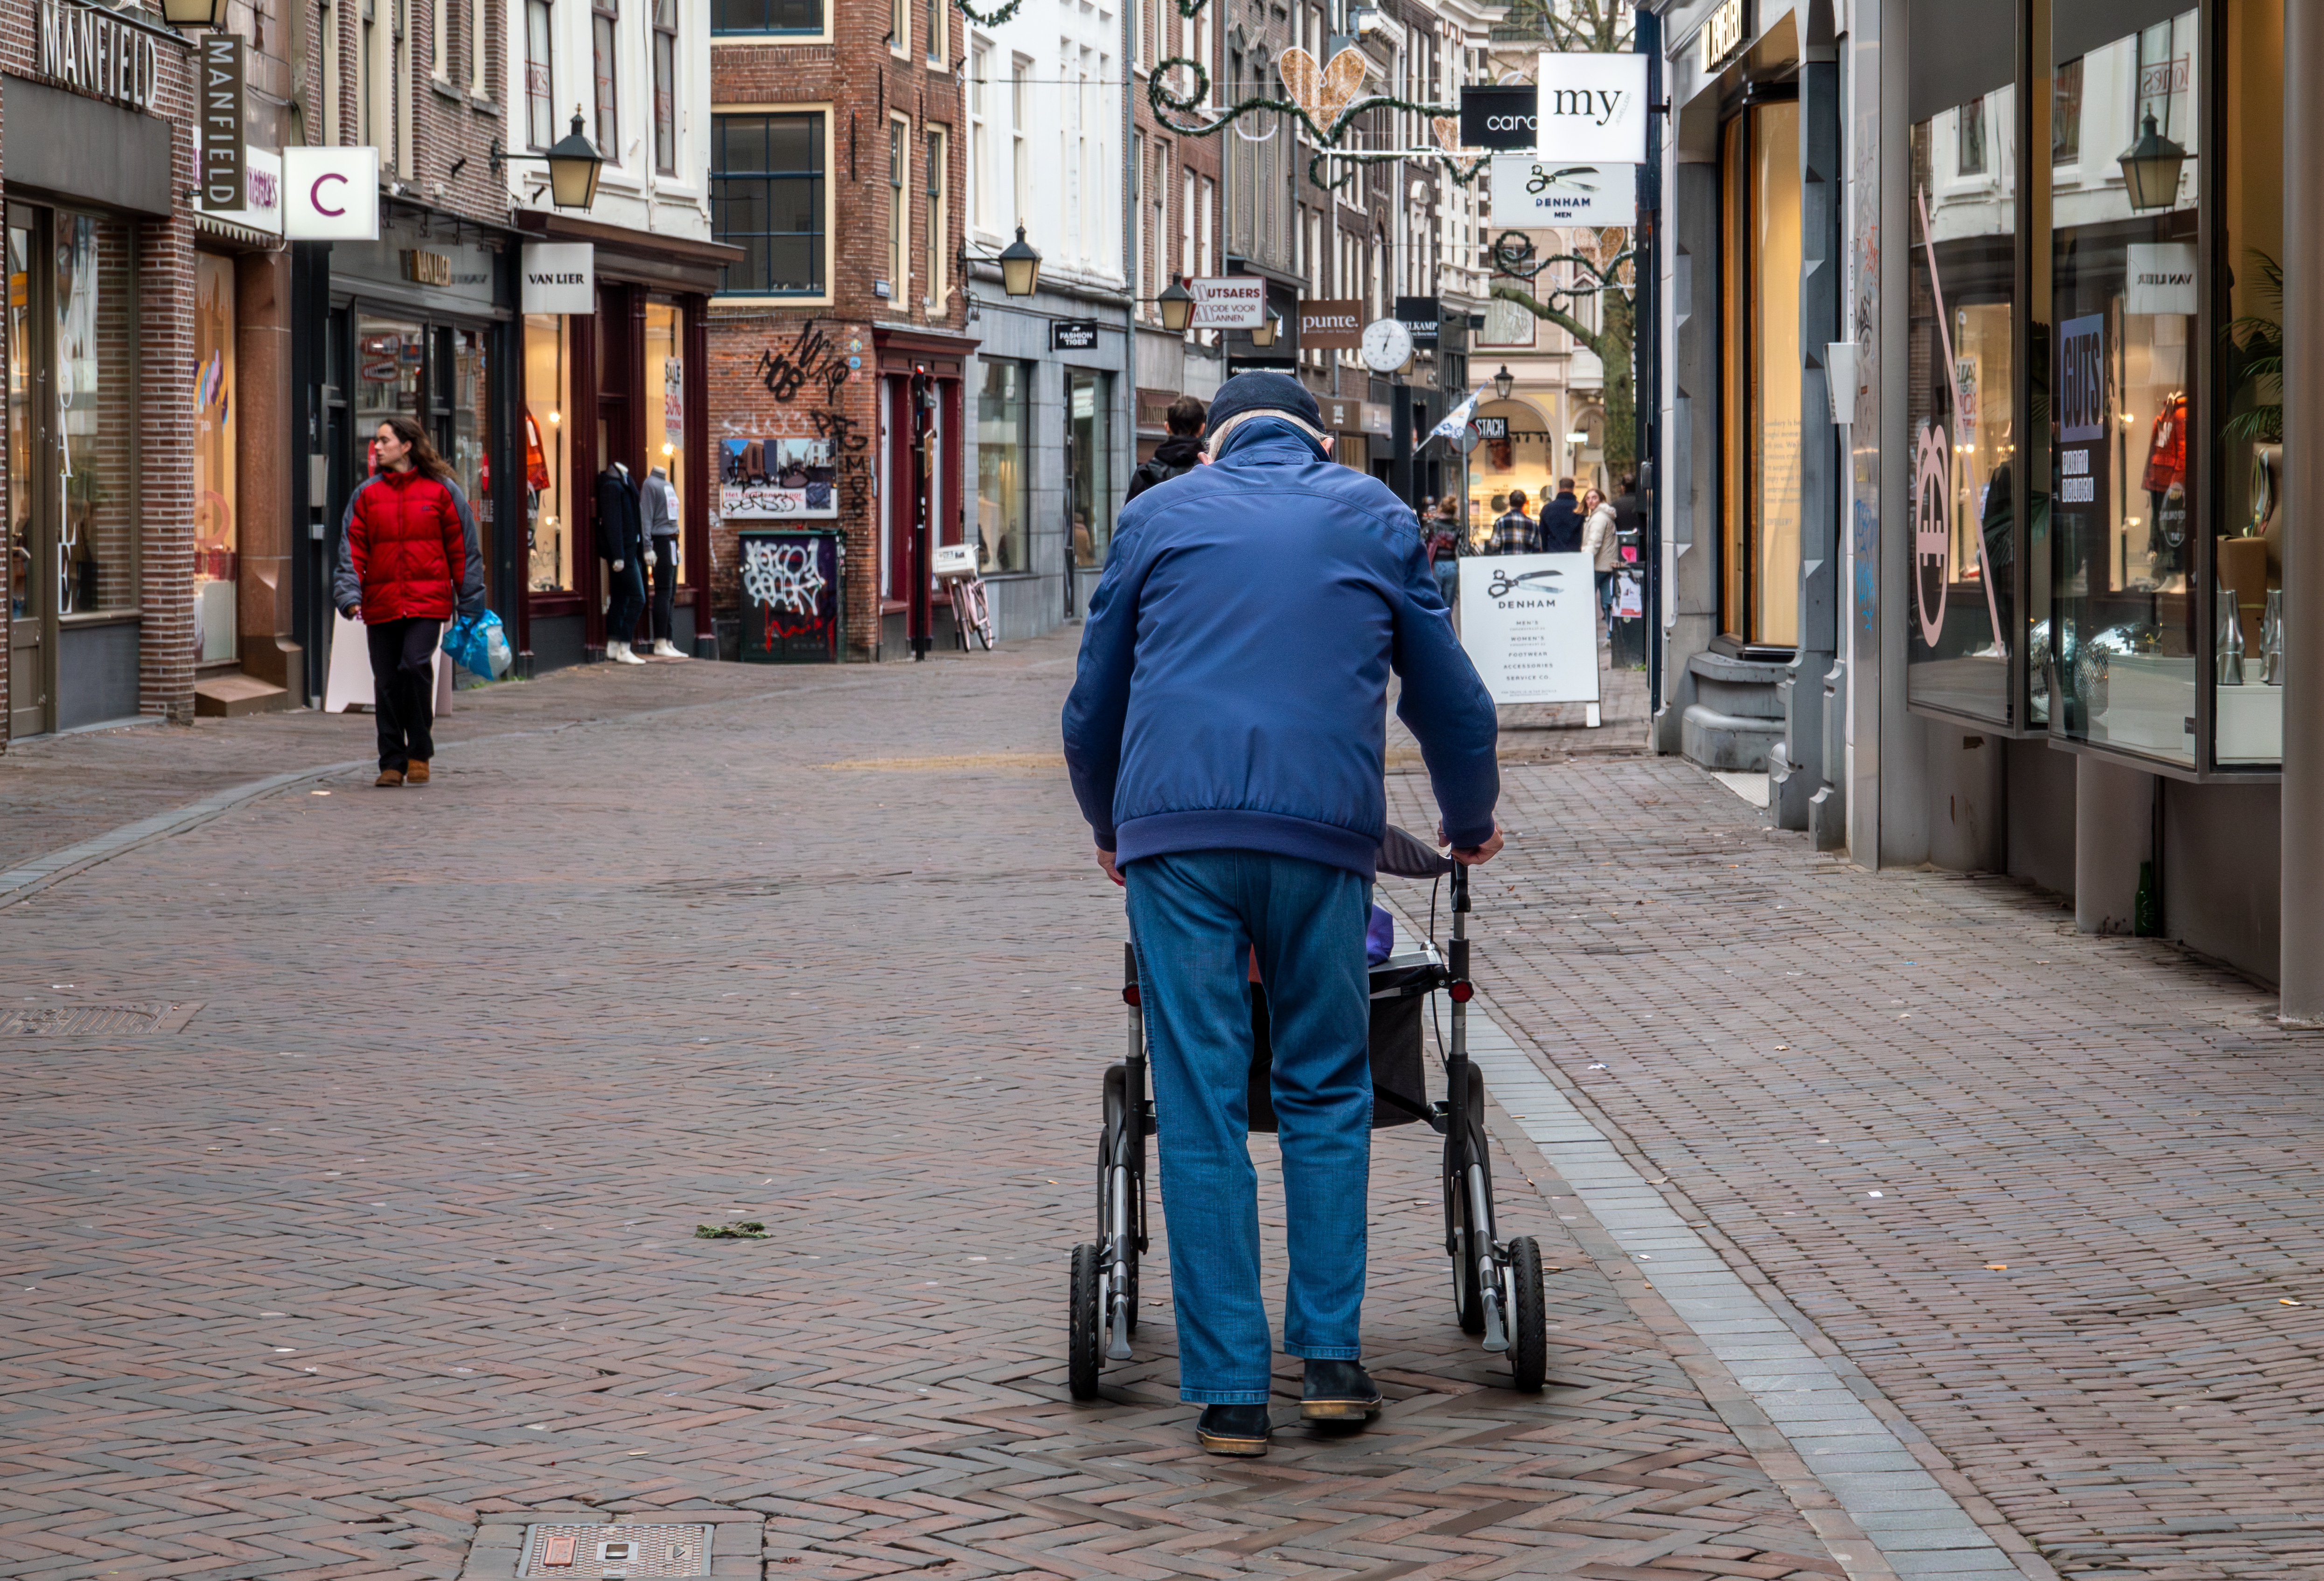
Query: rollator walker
point(1496, 1286)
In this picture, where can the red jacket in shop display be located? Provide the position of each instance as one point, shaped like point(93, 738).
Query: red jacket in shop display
point(405, 541)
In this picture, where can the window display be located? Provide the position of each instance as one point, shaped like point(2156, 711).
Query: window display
point(2125, 283)
point(2247, 709)
point(1003, 484)
point(1960, 405)
point(97, 416)
point(549, 554)
point(1759, 506)
point(214, 459)
point(1089, 464)
point(665, 404)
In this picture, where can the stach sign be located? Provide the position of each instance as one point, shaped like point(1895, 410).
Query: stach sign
point(1592, 109)
point(1498, 118)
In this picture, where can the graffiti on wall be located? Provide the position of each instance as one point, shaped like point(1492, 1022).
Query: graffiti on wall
point(814, 358)
point(763, 479)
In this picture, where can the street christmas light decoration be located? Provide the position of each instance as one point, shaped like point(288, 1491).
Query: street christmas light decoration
point(1324, 98)
point(1607, 272)
point(2150, 169)
point(573, 166)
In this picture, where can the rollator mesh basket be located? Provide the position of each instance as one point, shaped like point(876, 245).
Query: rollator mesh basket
point(1399, 1071)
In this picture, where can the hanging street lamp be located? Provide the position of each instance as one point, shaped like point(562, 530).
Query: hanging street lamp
point(1021, 267)
point(183, 14)
point(1264, 334)
point(2150, 169)
point(1503, 382)
point(1177, 304)
point(573, 166)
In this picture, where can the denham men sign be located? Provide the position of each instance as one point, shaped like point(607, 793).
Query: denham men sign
point(98, 53)
point(224, 149)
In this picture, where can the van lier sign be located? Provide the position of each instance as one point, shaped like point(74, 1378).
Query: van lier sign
point(560, 276)
point(96, 52)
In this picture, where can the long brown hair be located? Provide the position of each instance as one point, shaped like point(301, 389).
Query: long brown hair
point(424, 458)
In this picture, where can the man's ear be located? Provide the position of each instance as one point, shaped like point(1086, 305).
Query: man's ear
point(1326, 442)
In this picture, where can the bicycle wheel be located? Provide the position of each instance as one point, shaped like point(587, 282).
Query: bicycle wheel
point(1528, 1319)
point(1084, 1326)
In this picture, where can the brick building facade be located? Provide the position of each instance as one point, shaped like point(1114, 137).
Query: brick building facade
point(837, 164)
point(100, 502)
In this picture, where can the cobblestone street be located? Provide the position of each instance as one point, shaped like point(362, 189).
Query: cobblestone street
point(1898, 1231)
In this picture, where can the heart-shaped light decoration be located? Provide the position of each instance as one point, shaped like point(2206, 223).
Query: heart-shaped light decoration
point(1301, 79)
point(1321, 93)
point(1448, 136)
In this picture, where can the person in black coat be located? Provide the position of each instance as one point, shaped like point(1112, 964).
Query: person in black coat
point(1177, 456)
point(622, 545)
point(1561, 522)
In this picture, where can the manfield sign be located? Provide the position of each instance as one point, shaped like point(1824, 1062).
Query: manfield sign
point(97, 53)
point(218, 61)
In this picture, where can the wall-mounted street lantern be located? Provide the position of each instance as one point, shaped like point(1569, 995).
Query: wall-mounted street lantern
point(2150, 169)
point(1264, 335)
point(1503, 382)
point(1178, 305)
point(1021, 267)
point(573, 166)
point(194, 13)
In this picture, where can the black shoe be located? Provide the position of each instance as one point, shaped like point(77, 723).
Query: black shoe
point(1339, 1390)
point(1233, 1430)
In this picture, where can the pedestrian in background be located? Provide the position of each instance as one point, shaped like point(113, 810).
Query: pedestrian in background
point(1177, 456)
point(1598, 543)
point(622, 545)
point(1515, 532)
point(1443, 539)
point(1561, 522)
point(660, 498)
point(408, 557)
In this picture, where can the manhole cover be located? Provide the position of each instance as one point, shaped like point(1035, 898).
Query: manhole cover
point(618, 1550)
point(95, 1020)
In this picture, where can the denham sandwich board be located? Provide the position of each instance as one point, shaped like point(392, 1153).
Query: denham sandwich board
point(1529, 623)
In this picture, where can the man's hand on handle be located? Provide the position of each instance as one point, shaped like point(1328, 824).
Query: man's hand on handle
point(1469, 856)
point(1105, 861)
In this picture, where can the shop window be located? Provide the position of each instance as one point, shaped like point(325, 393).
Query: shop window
point(767, 197)
point(1089, 463)
point(214, 421)
point(604, 69)
point(766, 16)
point(469, 427)
point(2126, 288)
point(2247, 479)
point(980, 149)
point(540, 81)
point(1004, 479)
point(479, 67)
point(96, 416)
point(664, 387)
point(665, 86)
point(932, 25)
point(2066, 114)
point(548, 498)
point(1960, 405)
point(899, 26)
point(1759, 500)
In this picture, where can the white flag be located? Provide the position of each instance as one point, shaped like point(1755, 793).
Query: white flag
point(1456, 419)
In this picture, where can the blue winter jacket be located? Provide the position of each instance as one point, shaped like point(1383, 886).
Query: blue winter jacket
point(1233, 678)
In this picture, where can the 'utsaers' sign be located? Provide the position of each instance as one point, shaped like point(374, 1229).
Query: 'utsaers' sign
point(98, 53)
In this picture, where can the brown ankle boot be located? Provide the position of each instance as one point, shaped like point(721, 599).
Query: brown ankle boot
point(389, 778)
point(417, 774)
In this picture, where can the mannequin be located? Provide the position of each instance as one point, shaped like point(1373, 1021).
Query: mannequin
point(622, 545)
point(661, 502)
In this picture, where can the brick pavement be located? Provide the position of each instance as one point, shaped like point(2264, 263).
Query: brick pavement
point(2056, 1195)
point(394, 1237)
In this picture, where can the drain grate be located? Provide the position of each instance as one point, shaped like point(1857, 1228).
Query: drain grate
point(618, 1550)
point(95, 1020)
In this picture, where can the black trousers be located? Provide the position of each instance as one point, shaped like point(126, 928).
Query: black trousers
point(665, 584)
point(403, 688)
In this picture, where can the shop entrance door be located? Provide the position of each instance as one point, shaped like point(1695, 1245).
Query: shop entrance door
point(32, 537)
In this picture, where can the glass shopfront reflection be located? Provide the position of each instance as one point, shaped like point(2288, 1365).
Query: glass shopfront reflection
point(1966, 486)
point(1759, 301)
point(2126, 288)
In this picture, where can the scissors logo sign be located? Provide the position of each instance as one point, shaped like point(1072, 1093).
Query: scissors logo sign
point(1932, 511)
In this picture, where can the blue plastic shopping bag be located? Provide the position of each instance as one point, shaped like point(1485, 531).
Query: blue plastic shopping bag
point(479, 645)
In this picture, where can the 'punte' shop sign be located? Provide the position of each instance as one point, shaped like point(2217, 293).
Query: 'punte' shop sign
point(96, 52)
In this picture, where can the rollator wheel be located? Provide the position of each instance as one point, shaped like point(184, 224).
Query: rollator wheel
point(1528, 1319)
point(1462, 1234)
point(1086, 1328)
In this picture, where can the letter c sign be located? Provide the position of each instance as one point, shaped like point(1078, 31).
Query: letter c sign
point(331, 194)
point(315, 194)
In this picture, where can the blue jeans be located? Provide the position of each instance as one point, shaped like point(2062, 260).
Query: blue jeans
point(1195, 917)
point(1448, 580)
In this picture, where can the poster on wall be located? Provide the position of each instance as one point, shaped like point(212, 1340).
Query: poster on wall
point(770, 480)
point(1529, 623)
point(791, 608)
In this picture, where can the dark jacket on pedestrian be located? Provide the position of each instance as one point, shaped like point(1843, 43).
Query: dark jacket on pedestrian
point(1236, 656)
point(1561, 525)
point(1175, 457)
point(621, 520)
point(407, 542)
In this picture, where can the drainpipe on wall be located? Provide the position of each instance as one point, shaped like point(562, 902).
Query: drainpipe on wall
point(2303, 948)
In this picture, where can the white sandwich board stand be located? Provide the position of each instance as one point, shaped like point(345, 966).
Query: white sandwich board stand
point(1529, 623)
point(349, 685)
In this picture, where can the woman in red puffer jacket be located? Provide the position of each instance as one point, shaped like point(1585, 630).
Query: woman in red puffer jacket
point(406, 560)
